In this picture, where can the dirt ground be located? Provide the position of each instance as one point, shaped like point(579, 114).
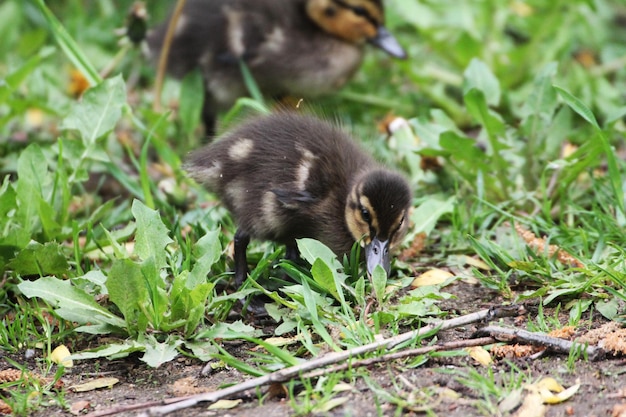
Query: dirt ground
point(602, 391)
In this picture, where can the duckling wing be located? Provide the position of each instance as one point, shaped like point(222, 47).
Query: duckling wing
point(293, 198)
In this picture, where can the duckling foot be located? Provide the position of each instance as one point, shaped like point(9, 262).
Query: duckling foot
point(242, 239)
point(255, 305)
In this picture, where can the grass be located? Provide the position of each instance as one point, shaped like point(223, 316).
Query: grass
point(519, 104)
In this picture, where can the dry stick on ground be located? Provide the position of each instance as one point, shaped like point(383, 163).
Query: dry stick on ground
point(554, 344)
point(460, 344)
point(165, 52)
point(286, 374)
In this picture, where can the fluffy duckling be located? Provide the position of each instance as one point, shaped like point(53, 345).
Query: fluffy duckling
point(303, 48)
point(287, 176)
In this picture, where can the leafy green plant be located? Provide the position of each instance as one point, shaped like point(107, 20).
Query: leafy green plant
point(138, 286)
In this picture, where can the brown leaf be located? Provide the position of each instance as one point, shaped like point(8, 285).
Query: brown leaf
point(417, 246)
point(78, 83)
point(187, 386)
point(78, 407)
point(619, 410)
point(277, 390)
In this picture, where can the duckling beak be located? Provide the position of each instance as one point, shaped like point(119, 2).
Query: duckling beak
point(388, 43)
point(377, 253)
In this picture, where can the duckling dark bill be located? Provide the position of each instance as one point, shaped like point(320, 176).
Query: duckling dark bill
point(287, 176)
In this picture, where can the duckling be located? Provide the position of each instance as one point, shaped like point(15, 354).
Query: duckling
point(304, 48)
point(287, 175)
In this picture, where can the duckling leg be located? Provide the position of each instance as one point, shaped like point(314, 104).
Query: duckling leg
point(291, 251)
point(208, 117)
point(242, 239)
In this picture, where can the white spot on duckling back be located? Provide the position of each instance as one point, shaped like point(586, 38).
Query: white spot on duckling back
point(236, 193)
point(209, 175)
point(274, 41)
point(181, 25)
point(240, 149)
point(235, 32)
point(269, 212)
point(304, 169)
point(273, 44)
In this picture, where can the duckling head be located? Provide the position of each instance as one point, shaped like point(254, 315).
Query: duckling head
point(356, 21)
point(377, 212)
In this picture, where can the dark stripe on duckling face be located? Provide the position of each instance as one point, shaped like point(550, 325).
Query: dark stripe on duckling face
point(376, 213)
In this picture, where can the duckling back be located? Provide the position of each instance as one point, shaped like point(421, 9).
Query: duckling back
point(284, 176)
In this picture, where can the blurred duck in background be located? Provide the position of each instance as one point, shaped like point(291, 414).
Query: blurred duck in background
point(301, 48)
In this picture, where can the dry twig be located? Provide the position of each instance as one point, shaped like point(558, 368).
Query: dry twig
point(165, 52)
point(554, 344)
point(286, 374)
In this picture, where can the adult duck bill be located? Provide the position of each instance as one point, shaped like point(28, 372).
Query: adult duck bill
point(388, 43)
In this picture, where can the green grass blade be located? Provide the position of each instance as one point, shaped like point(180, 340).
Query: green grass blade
point(69, 46)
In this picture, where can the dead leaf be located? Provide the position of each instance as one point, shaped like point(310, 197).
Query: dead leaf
point(480, 355)
point(343, 387)
point(562, 396)
point(619, 410)
point(550, 384)
point(78, 407)
point(330, 404)
point(277, 390)
point(532, 406)
point(186, 386)
point(280, 341)
point(431, 277)
point(511, 401)
point(225, 404)
point(95, 384)
point(547, 387)
point(61, 356)
point(417, 246)
point(78, 83)
point(476, 263)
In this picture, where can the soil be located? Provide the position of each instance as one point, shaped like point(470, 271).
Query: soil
point(433, 385)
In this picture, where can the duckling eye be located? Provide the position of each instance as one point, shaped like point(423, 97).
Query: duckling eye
point(360, 11)
point(330, 11)
point(365, 214)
